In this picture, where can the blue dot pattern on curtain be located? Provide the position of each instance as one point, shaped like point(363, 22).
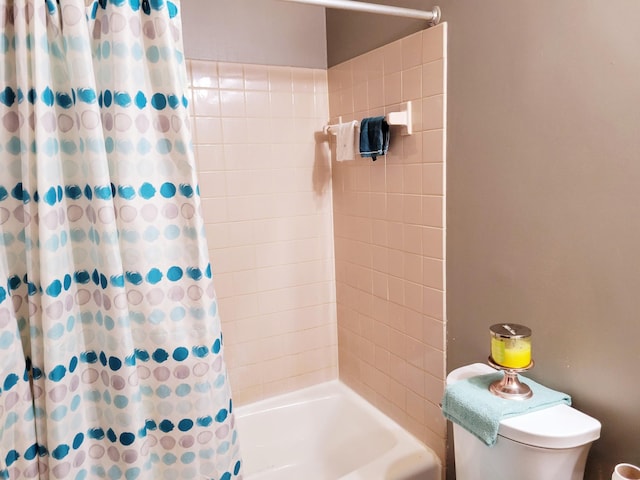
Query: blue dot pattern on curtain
point(111, 352)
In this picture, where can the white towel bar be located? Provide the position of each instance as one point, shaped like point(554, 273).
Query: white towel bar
point(402, 118)
point(327, 129)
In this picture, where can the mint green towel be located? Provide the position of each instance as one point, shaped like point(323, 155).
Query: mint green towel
point(470, 404)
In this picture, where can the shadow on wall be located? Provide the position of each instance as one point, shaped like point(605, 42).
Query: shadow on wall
point(321, 177)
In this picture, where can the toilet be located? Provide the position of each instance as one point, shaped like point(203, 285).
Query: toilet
point(549, 444)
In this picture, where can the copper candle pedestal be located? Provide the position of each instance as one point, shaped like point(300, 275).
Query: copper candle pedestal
point(510, 386)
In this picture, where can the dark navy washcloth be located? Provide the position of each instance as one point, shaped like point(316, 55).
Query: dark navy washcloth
point(374, 137)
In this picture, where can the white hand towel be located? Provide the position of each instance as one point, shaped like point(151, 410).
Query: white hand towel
point(345, 141)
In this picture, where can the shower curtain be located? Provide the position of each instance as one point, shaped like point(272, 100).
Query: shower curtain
point(111, 358)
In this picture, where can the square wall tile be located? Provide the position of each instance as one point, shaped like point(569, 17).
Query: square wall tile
point(392, 55)
point(231, 76)
point(433, 78)
point(280, 79)
point(433, 43)
point(412, 84)
point(256, 77)
point(393, 88)
point(232, 103)
point(433, 146)
point(412, 50)
point(433, 112)
point(204, 74)
point(303, 80)
point(208, 130)
point(206, 102)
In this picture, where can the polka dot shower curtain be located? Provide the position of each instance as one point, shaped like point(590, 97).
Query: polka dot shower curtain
point(111, 359)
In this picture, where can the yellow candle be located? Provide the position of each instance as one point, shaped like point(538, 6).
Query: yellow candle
point(511, 352)
point(517, 353)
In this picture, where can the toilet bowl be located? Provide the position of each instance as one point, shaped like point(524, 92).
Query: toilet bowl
point(549, 444)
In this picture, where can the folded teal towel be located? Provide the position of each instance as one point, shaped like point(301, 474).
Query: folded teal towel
point(470, 404)
point(374, 137)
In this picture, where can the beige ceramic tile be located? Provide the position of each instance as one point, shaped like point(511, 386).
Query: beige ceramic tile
point(432, 211)
point(433, 78)
point(259, 130)
point(234, 130)
point(432, 179)
point(413, 270)
point(412, 178)
point(393, 88)
point(432, 242)
point(434, 333)
point(375, 93)
point(303, 80)
point(303, 105)
point(231, 76)
point(433, 43)
point(412, 239)
point(320, 81)
point(209, 157)
point(341, 76)
point(413, 295)
point(232, 103)
point(280, 79)
point(392, 55)
point(360, 97)
point(412, 209)
point(433, 146)
point(412, 51)
point(412, 84)
point(433, 113)
point(256, 77)
point(208, 130)
point(212, 184)
point(281, 104)
point(433, 302)
point(206, 102)
point(204, 74)
point(345, 105)
point(433, 273)
point(395, 178)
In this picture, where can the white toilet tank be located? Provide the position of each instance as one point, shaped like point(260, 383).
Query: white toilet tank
point(550, 444)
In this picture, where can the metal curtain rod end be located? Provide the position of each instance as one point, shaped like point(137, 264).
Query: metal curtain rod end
point(437, 16)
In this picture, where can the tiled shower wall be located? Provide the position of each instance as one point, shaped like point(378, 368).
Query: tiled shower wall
point(389, 235)
point(266, 197)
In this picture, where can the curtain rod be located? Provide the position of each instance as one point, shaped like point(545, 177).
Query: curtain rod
point(432, 16)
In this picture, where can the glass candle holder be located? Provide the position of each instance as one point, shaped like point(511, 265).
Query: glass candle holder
point(510, 345)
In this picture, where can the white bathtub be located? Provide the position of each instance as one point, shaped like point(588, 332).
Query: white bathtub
point(328, 432)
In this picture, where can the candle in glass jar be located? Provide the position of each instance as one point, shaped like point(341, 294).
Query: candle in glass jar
point(511, 345)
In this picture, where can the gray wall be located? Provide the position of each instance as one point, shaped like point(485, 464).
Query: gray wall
point(264, 32)
point(543, 193)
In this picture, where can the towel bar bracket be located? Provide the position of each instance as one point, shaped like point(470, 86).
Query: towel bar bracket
point(403, 118)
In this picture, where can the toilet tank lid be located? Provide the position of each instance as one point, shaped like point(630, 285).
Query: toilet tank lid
point(560, 426)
